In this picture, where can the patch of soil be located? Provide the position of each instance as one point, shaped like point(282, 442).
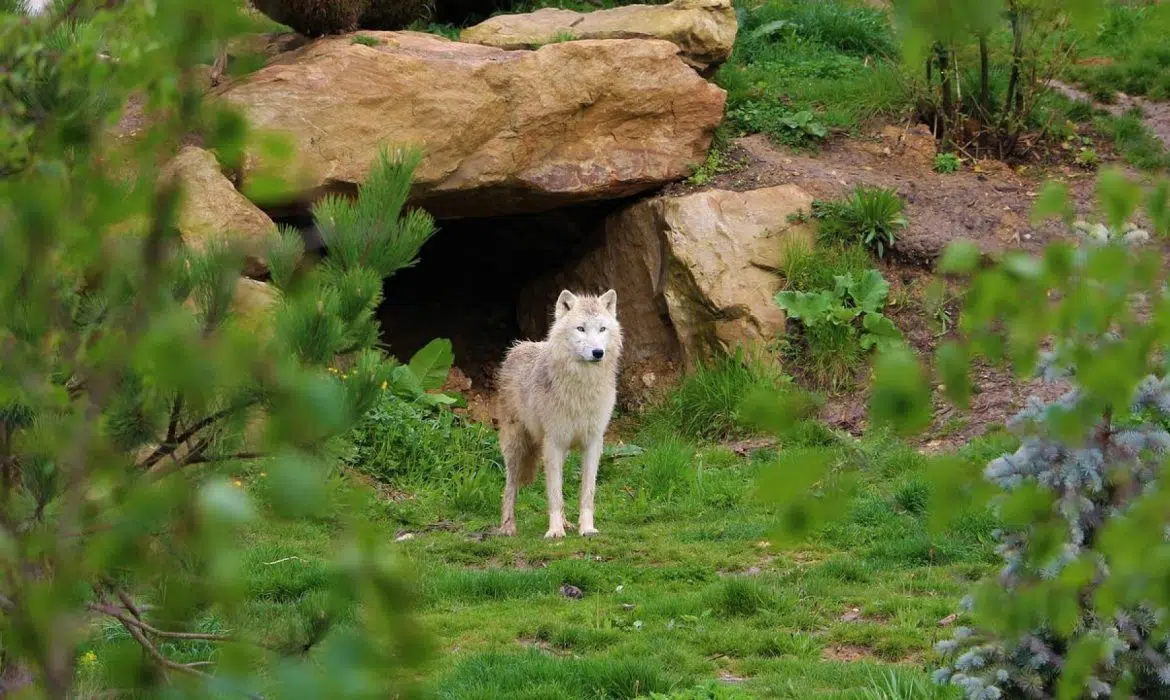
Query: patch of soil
point(848, 652)
point(997, 394)
point(988, 203)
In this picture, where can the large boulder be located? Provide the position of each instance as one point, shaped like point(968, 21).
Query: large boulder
point(704, 30)
point(502, 132)
point(212, 208)
point(695, 274)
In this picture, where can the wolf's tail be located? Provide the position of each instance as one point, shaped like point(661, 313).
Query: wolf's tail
point(521, 453)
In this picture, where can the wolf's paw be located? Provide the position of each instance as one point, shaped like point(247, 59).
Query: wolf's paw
point(589, 532)
point(507, 530)
point(554, 533)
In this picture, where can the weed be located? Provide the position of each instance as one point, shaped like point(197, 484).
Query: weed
point(705, 406)
point(851, 303)
point(816, 269)
point(838, 326)
point(367, 40)
point(405, 444)
point(1087, 158)
point(871, 216)
point(781, 124)
point(947, 163)
point(1134, 140)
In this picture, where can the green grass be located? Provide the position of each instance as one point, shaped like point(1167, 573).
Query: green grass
point(1134, 141)
point(1133, 36)
point(687, 584)
point(801, 68)
point(706, 403)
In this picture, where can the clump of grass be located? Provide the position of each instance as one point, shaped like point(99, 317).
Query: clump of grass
point(947, 163)
point(813, 269)
point(409, 445)
point(1134, 140)
point(870, 216)
point(367, 40)
point(535, 675)
point(706, 404)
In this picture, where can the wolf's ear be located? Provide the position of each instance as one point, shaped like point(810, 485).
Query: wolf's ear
point(609, 301)
point(565, 303)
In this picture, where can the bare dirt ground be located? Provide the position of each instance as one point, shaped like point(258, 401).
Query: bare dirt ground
point(987, 202)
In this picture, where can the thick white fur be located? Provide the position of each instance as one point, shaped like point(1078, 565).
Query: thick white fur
point(556, 395)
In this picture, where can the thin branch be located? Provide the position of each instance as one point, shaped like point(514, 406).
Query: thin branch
point(129, 603)
point(127, 620)
point(170, 447)
point(202, 459)
point(173, 427)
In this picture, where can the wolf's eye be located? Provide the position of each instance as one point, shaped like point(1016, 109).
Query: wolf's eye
point(581, 328)
point(602, 329)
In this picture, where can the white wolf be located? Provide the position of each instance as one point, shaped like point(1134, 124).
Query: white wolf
point(555, 395)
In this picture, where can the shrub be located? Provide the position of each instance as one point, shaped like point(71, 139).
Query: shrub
point(841, 324)
point(315, 18)
point(871, 216)
point(1085, 482)
point(816, 268)
point(408, 445)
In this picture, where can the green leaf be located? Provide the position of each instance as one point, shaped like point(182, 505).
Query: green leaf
point(1119, 197)
point(880, 333)
point(870, 292)
point(433, 363)
point(959, 258)
point(1053, 201)
point(953, 365)
point(805, 306)
point(901, 395)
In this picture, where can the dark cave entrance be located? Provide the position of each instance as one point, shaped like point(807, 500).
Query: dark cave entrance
point(469, 280)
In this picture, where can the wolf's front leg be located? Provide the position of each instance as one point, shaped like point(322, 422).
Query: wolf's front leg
point(590, 459)
point(554, 464)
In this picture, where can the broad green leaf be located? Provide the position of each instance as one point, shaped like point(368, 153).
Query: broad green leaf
point(804, 306)
point(1119, 197)
point(880, 332)
point(432, 363)
point(869, 293)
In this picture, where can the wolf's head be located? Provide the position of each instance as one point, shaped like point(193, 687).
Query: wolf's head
point(587, 326)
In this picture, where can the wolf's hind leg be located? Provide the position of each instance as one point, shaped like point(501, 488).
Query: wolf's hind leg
point(520, 462)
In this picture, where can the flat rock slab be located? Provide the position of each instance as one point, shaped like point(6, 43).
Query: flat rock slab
point(503, 132)
point(704, 30)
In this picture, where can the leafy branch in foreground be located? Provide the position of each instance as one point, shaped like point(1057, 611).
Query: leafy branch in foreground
point(134, 371)
point(1080, 608)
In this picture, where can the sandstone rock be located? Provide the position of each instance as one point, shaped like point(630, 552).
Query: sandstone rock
point(704, 30)
point(694, 273)
point(212, 208)
point(502, 131)
point(253, 304)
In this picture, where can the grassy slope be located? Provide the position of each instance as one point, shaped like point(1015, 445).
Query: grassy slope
point(686, 586)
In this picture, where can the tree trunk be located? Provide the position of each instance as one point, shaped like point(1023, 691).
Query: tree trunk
point(948, 98)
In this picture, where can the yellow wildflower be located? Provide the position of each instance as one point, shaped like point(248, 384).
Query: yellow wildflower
point(384, 385)
point(88, 658)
